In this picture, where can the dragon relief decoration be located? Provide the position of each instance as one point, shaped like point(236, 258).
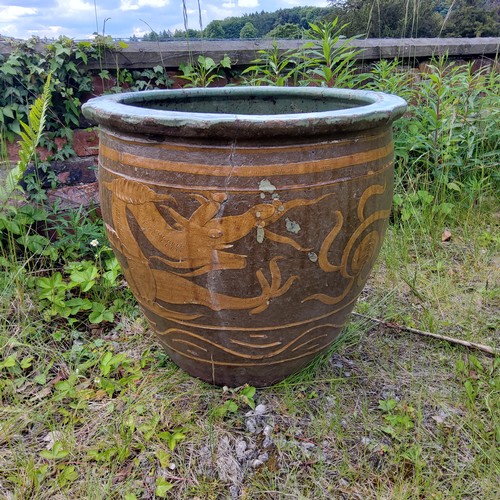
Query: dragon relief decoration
point(199, 244)
point(357, 257)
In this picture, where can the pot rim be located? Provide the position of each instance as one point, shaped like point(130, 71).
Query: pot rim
point(118, 112)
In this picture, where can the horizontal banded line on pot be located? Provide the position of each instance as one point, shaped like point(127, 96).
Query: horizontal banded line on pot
point(380, 167)
point(254, 171)
point(161, 150)
point(200, 326)
point(203, 343)
point(275, 362)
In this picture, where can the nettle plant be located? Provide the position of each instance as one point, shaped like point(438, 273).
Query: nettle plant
point(204, 71)
point(448, 141)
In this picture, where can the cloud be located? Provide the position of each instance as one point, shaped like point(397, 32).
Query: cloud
point(311, 3)
point(248, 4)
point(48, 32)
point(138, 4)
point(128, 5)
point(67, 9)
point(140, 32)
point(27, 3)
point(216, 12)
point(10, 30)
point(12, 13)
point(74, 6)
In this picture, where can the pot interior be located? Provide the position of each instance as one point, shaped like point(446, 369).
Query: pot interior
point(250, 104)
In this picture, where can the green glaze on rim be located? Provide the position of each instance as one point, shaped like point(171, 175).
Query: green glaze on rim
point(244, 112)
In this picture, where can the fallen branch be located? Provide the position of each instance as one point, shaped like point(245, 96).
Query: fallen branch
point(471, 345)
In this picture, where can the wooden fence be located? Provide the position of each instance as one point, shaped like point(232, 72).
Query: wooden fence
point(140, 55)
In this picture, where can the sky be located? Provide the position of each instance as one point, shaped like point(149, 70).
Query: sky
point(79, 19)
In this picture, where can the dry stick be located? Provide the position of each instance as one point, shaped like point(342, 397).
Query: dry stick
point(471, 345)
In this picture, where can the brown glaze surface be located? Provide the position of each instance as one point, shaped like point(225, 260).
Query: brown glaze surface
point(246, 257)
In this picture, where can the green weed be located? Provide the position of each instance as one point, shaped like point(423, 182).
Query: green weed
point(204, 71)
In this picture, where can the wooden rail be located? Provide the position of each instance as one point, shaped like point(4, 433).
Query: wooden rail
point(140, 55)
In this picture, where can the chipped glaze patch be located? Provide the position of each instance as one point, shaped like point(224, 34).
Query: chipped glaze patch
point(265, 186)
point(313, 257)
point(260, 234)
point(292, 226)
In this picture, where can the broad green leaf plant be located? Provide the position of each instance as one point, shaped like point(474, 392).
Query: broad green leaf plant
point(204, 71)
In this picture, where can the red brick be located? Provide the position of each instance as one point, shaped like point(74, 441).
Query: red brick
point(101, 85)
point(13, 151)
point(219, 82)
point(63, 177)
point(177, 82)
point(70, 197)
point(43, 153)
point(86, 142)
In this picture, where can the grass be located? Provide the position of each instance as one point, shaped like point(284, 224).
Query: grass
point(451, 287)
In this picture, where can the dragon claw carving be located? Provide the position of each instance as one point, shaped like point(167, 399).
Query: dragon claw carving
point(275, 289)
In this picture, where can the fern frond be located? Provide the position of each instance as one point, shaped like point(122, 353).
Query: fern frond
point(35, 127)
point(30, 139)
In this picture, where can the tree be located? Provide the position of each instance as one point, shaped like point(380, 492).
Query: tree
point(232, 26)
point(215, 30)
point(286, 31)
point(390, 18)
point(419, 18)
point(248, 31)
point(472, 18)
point(157, 37)
point(190, 33)
point(264, 22)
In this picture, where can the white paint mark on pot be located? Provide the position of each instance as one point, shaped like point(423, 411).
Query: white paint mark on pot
point(292, 226)
point(265, 186)
point(312, 256)
point(260, 234)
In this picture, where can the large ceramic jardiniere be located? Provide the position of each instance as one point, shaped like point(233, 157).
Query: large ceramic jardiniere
point(246, 219)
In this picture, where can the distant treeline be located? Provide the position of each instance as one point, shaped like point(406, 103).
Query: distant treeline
point(370, 18)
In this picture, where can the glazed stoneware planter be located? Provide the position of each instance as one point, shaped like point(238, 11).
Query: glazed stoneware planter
point(246, 219)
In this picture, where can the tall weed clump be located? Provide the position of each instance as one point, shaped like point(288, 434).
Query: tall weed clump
point(326, 60)
point(448, 143)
